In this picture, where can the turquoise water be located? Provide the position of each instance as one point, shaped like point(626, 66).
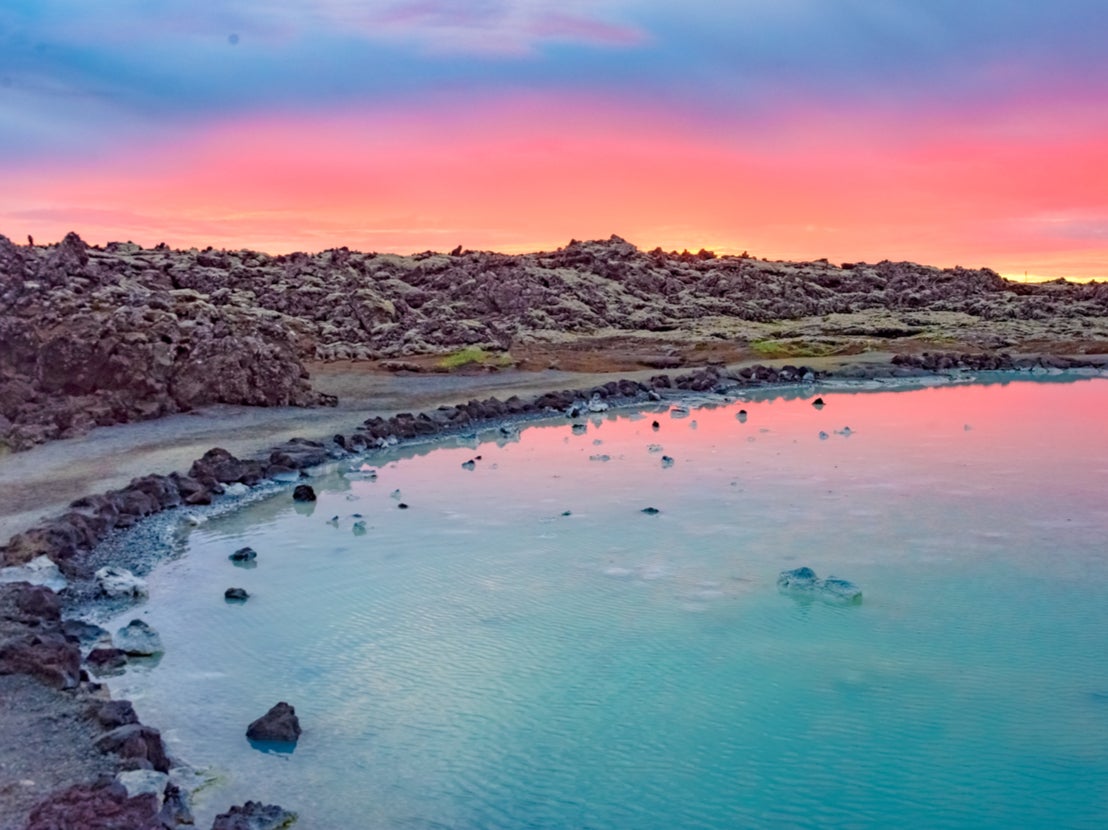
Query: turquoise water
point(481, 660)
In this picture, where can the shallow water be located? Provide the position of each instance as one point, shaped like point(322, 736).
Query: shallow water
point(481, 660)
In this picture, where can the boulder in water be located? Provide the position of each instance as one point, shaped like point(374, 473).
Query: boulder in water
point(244, 555)
point(236, 595)
point(279, 725)
point(303, 492)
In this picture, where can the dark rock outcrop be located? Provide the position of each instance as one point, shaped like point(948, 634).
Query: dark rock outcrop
point(279, 725)
point(101, 660)
point(100, 806)
point(91, 337)
point(139, 746)
point(115, 713)
point(51, 658)
point(253, 815)
point(246, 554)
point(303, 492)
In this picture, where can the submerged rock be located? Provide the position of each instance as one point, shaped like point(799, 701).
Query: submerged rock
point(805, 581)
point(138, 638)
point(667, 461)
point(236, 595)
point(279, 724)
point(253, 815)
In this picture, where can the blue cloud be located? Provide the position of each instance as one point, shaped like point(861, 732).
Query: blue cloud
point(76, 76)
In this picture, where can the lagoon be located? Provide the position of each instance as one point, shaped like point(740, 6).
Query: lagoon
point(524, 647)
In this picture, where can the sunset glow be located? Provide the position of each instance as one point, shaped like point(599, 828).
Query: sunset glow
point(411, 126)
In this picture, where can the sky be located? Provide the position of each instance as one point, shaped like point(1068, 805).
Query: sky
point(940, 131)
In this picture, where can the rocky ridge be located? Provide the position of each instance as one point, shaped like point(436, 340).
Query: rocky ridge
point(92, 335)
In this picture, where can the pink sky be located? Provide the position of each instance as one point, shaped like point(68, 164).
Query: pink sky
point(856, 135)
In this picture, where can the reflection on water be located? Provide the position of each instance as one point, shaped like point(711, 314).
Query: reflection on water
point(525, 647)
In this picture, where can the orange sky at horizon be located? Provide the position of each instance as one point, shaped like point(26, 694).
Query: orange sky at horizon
point(523, 175)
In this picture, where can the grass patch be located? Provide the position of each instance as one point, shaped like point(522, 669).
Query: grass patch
point(771, 349)
point(475, 356)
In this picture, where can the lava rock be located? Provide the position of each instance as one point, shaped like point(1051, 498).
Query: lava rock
point(279, 725)
point(303, 492)
point(253, 815)
point(50, 658)
point(86, 633)
point(140, 746)
point(100, 806)
point(113, 714)
point(244, 555)
point(102, 660)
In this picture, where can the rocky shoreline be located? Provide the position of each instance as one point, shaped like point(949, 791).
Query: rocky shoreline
point(41, 654)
